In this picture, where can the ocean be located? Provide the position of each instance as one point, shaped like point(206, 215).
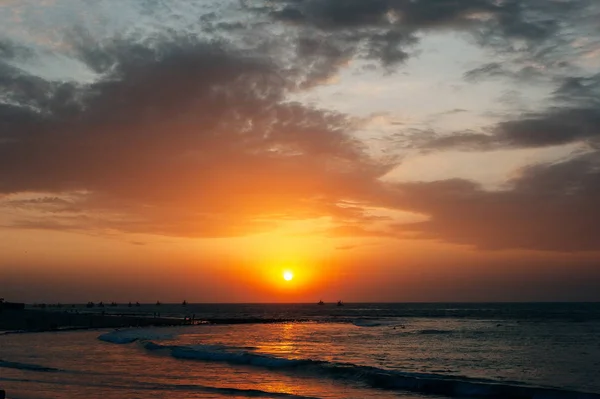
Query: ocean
point(531, 350)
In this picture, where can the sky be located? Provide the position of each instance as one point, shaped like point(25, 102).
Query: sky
point(380, 150)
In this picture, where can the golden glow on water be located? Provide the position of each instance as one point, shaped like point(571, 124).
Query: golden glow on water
point(388, 346)
point(284, 345)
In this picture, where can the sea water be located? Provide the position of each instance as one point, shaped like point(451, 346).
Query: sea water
point(353, 351)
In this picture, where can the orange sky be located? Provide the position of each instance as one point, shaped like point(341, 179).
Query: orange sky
point(393, 151)
point(71, 267)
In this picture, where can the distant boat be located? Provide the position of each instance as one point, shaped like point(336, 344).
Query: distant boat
point(340, 303)
point(137, 304)
point(157, 303)
point(321, 303)
point(184, 303)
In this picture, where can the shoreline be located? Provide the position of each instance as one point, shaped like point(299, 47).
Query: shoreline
point(30, 320)
point(34, 320)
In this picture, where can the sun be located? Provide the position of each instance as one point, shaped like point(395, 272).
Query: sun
point(288, 275)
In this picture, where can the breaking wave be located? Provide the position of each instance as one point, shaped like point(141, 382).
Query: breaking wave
point(131, 335)
point(374, 377)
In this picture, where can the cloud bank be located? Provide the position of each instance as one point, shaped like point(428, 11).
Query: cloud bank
point(195, 135)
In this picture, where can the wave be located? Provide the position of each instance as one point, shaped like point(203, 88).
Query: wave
point(375, 377)
point(26, 366)
point(11, 332)
point(230, 391)
point(131, 335)
point(230, 355)
point(375, 322)
point(396, 323)
point(237, 392)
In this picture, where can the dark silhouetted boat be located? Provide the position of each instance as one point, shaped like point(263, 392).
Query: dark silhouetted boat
point(321, 303)
point(340, 303)
point(184, 303)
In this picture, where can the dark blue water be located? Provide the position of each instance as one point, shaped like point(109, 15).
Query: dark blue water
point(576, 312)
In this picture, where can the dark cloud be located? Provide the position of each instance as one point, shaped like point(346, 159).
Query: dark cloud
point(182, 138)
point(555, 127)
point(533, 39)
point(390, 47)
point(535, 32)
point(384, 29)
point(550, 207)
point(317, 60)
point(352, 14)
point(523, 33)
point(331, 15)
point(583, 91)
point(466, 141)
point(27, 104)
point(500, 70)
point(197, 138)
point(534, 21)
point(575, 117)
point(10, 51)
